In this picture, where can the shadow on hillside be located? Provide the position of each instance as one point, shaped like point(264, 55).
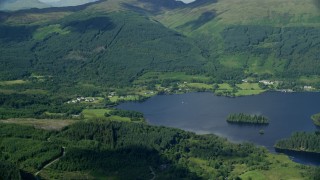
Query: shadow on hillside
point(132, 162)
point(16, 33)
point(96, 23)
point(202, 20)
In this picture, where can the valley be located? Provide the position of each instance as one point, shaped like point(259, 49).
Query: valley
point(65, 68)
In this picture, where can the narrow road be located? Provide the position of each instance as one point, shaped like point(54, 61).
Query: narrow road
point(53, 161)
point(153, 173)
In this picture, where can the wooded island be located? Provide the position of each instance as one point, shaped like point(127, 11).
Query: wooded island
point(316, 119)
point(241, 118)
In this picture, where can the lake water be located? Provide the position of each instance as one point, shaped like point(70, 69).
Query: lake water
point(206, 113)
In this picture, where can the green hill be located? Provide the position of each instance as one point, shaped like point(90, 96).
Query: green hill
point(112, 49)
point(116, 50)
point(269, 38)
point(113, 42)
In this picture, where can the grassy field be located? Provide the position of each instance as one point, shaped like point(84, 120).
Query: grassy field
point(244, 89)
point(94, 113)
point(47, 124)
point(124, 98)
point(199, 85)
point(13, 82)
point(99, 113)
point(248, 92)
point(288, 170)
point(43, 32)
point(249, 89)
point(176, 76)
point(225, 86)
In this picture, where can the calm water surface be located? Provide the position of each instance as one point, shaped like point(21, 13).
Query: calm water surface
point(206, 113)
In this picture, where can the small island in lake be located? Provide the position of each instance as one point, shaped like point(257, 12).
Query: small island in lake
point(316, 119)
point(241, 118)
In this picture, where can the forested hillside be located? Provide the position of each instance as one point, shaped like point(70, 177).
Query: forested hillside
point(265, 39)
point(77, 63)
point(132, 151)
point(115, 42)
point(112, 49)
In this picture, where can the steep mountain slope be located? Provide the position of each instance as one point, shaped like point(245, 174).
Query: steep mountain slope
point(227, 40)
point(266, 38)
point(110, 49)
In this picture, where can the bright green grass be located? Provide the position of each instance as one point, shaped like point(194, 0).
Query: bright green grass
point(13, 82)
point(232, 61)
point(248, 92)
point(124, 98)
point(199, 85)
point(246, 89)
point(99, 113)
point(253, 64)
point(94, 113)
point(197, 163)
point(225, 86)
point(43, 32)
point(281, 168)
point(118, 118)
point(249, 86)
point(261, 66)
point(253, 175)
point(178, 76)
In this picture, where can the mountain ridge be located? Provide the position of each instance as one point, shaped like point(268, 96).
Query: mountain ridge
point(231, 44)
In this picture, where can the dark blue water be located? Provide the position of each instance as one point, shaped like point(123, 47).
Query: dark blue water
point(206, 113)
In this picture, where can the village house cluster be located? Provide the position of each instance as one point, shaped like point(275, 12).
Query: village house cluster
point(112, 94)
point(81, 99)
point(267, 82)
